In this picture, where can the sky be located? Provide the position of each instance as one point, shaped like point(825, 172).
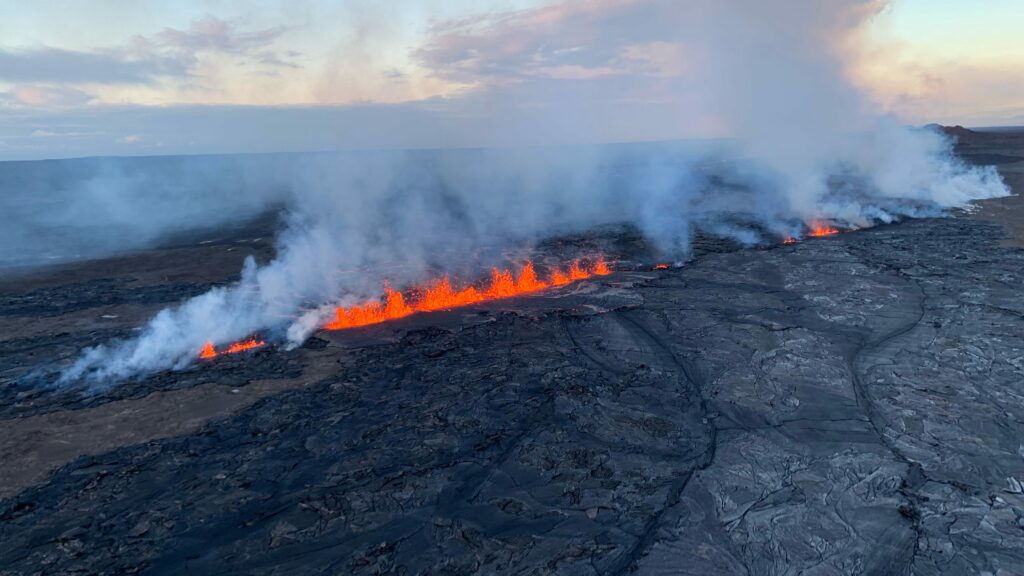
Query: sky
point(138, 77)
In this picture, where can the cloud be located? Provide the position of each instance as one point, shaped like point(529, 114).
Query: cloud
point(569, 72)
point(146, 59)
point(51, 96)
point(605, 71)
point(947, 92)
point(658, 58)
point(38, 133)
point(216, 36)
point(57, 65)
point(568, 40)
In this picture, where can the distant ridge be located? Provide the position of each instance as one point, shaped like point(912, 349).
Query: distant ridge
point(959, 132)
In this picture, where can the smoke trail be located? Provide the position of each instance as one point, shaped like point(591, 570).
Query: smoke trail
point(808, 145)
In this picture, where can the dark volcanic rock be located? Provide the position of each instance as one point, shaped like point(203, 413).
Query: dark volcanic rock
point(58, 300)
point(849, 405)
point(958, 132)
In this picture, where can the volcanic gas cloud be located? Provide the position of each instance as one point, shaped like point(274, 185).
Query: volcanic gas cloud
point(439, 294)
point(792, 141)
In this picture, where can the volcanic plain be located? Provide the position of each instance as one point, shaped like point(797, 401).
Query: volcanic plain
point(852, 404)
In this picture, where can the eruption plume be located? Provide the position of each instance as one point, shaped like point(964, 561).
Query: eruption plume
point(806, 147)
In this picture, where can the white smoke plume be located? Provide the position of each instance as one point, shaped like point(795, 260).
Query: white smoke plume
point(805, 144)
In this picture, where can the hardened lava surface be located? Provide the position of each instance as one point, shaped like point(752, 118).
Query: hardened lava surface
point(845, 405)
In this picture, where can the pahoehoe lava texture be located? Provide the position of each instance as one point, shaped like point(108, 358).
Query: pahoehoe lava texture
point(850, 405)
point(842, 406)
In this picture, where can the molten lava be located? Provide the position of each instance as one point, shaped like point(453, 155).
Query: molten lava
point(441, 295)
point(249, 344)
point(822, 229)
point(209, 352)
point(790, 240)
point(662, 266)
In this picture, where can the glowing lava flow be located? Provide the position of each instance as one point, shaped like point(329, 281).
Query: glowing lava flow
point(822, 229)
point(440, 295)
point(209, 351)
point(818, 229)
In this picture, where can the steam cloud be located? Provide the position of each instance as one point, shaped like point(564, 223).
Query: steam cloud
point(807, 145)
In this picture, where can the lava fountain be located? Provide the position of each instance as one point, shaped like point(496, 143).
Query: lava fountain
point(439, 294)
point(819, 229)
point(209, 351)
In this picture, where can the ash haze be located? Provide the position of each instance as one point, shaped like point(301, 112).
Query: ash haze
point(805, 129)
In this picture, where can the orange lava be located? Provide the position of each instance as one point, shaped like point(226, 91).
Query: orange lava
point(209, 351)
point(790, 240)
point(243, 346)
point(822, 229)
point(441, 295)
point(662, 266)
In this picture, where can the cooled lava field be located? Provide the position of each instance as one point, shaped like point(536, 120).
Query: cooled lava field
point(852, 404)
